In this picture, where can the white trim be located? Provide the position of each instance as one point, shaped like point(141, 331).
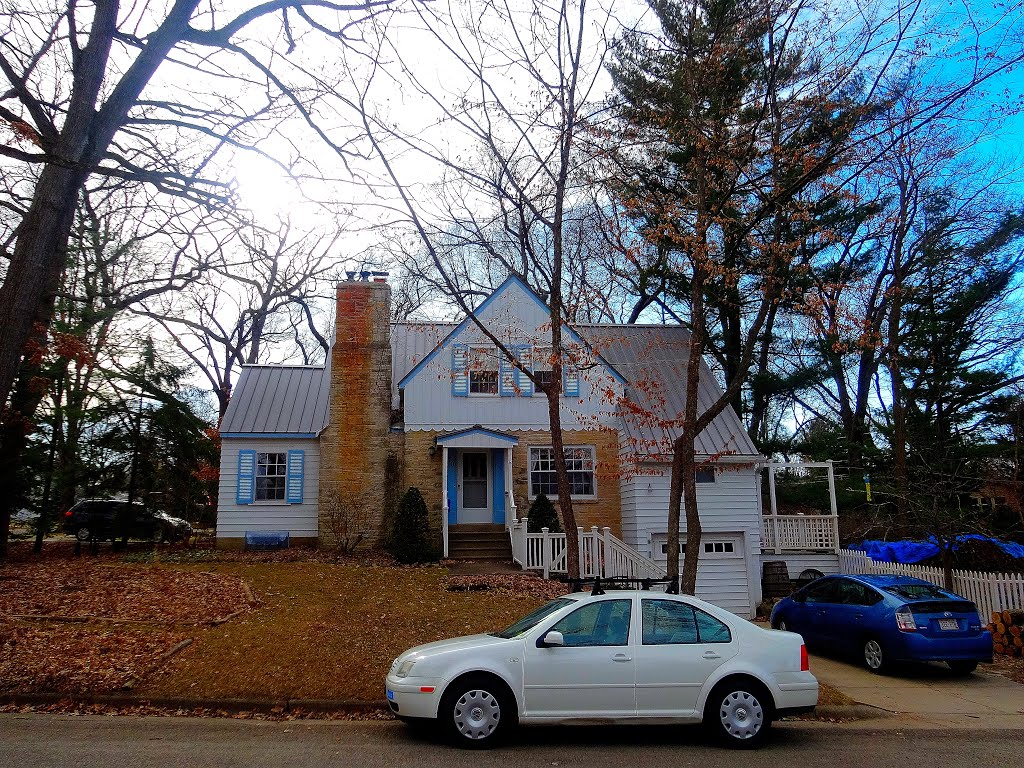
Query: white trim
point(444, 498)
point(529, 472)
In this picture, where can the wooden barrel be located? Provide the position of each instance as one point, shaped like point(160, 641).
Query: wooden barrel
point(775, 579)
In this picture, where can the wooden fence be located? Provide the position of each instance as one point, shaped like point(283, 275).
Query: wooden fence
point(989, 591)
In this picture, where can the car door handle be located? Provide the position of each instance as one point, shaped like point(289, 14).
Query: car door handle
point(711, 655)
point(621, 657)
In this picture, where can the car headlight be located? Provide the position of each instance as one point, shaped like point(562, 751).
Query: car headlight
point(404, 668)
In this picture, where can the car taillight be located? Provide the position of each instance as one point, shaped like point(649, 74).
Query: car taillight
point(68, 513)
point(905, 620)
point(805, 663)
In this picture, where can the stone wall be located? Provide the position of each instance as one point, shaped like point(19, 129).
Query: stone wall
point(355, 446)
point(424, 471)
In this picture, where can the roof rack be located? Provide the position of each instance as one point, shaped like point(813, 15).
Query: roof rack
point(597, 584)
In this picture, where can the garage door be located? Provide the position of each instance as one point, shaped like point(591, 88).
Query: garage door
point(722, 573)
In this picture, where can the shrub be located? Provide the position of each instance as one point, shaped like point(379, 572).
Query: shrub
point(410, 533)
point(542, 514)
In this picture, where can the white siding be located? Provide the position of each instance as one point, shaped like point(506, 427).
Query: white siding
point(515, 318)
point(728, 510)
point(300, 520)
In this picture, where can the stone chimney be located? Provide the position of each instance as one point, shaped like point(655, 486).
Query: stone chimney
point(354, 447)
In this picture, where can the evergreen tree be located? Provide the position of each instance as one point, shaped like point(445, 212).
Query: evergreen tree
point(410, 534)
point(543, 515)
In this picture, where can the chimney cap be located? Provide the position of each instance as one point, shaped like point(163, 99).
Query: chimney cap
point(366, 276)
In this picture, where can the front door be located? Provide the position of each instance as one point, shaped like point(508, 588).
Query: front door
point(474, 487)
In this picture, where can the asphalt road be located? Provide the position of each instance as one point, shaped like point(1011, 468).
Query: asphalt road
point(34, 741)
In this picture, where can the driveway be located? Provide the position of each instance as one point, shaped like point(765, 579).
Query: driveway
point(929, 694)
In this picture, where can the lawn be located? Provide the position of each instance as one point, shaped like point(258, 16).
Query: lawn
point(212, 625)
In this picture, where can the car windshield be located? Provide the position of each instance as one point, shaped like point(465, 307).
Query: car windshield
point(529, 621)
point(917, 591)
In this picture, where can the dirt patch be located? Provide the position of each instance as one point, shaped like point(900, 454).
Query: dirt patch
point(1009, 667)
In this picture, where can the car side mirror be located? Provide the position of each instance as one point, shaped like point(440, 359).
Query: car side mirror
point(552, 639)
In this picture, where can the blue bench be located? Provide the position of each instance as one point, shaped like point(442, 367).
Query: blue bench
point(260, 540)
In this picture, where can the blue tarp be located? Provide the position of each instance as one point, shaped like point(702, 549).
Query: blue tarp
point(916, 551)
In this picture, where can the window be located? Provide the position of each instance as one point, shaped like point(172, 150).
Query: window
point(579, 462)
point(271, 473)
point(667, 622)
point(602, 623)
point(542, 367)
point(483, 371)
point(682, 548)
point(719, 547)
point(705, 475)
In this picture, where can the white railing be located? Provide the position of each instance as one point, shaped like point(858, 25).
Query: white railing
point(600, 553)
point(800, 533)
point(989, 591)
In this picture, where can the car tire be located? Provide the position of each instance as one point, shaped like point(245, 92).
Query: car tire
point(738, 713)
point(780, 624)
point(962, 667)
point(476, 712)
point(874, 656)
point(83, 534)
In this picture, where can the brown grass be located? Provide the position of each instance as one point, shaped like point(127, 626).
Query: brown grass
point(325, 631)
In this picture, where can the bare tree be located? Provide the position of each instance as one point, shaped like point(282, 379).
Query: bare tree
point(79, 103)
point(264, 293)
point(521, 89)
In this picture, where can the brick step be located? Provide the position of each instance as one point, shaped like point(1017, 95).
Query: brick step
point(475, 552)
point(455, 530)
point(484, 538)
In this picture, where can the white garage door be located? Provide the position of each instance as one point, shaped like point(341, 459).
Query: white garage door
point(722, 573)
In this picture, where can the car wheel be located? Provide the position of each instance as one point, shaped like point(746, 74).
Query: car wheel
point(781, 624)
point(875, 658)
point(476, 712)
point(738, 714)
point(962, 667)
point(83, 534)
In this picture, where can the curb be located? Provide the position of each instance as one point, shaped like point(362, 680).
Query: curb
point(275, 706)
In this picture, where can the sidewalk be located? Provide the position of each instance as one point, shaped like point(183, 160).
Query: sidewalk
point(928, 695)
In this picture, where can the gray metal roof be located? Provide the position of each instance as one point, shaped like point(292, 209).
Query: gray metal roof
point(279, 399)
point(653, 359)
point(410, 343)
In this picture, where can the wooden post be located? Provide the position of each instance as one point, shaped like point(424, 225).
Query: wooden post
point(579, 541)
point(835, 508)
point(775, 508)
point(606, 548)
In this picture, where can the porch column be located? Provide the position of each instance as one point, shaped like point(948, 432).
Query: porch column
point(444, 498)
point(775, 509)
point(512, 515)
point(835, 508)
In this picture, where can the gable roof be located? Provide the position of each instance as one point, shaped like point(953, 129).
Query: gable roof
point(654, 360)
point(510, 281)
point(285, 400)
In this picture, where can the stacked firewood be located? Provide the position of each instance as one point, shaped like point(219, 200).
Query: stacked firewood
point(1007, 630)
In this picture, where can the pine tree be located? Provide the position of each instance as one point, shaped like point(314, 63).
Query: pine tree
point(410, 534)
point(542, 515)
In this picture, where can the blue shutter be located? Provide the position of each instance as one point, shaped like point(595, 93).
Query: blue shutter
point(570, 380)
point(296, 476)
point(460, 370)
point(506, 375)
point(524, 354)
point(246, 488)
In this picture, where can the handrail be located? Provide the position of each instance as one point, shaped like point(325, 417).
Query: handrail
point(601, 554)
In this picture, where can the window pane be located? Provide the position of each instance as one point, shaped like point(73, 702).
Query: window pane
point(667, 622)
point(579, 463)
point(603, 623)
point(271, 471)
point(710, 629)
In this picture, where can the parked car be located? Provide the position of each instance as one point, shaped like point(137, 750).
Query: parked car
point(103, 519)
point(614, 656)
point(887, 619)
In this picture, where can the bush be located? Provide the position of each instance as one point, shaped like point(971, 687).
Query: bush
point(542, 514)
point(410, 533)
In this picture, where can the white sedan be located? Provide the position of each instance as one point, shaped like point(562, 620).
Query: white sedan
point(615, 656)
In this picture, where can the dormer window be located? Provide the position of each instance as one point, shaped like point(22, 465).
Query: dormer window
point(483, 371)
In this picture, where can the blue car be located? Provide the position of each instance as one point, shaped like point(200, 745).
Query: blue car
point(887, 619)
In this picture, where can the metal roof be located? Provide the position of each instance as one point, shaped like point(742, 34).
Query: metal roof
point(653, 358)
point(278, 399)
point(411, 343)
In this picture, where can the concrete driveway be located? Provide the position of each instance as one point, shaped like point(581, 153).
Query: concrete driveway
point(929, 693)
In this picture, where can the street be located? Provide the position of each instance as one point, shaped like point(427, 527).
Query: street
point(35, 741)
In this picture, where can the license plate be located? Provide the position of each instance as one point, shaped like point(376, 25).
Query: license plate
point(391, 695)
point(948, 624)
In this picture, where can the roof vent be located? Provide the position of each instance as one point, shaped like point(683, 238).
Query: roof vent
point(367, 277)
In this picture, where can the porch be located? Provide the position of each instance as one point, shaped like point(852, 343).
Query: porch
point(799, 532)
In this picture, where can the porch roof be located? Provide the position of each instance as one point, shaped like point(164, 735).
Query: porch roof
point(478, 437)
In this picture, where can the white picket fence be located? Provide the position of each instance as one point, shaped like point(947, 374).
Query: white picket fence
point(601, 553)
point(989, 591)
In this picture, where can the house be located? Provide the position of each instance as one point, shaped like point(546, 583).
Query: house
point(314, 450)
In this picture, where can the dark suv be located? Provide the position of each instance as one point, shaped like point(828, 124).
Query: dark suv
point(103, 519)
